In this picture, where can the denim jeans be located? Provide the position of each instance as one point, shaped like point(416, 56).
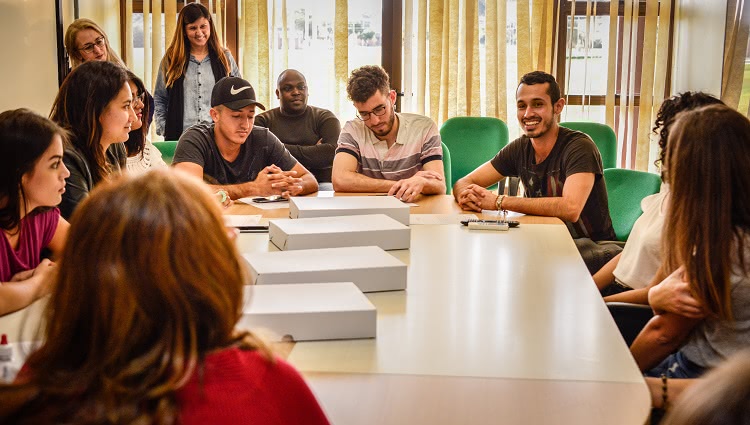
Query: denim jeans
point(676, 366)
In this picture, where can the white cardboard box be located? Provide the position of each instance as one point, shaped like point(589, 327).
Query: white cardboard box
point(334, 232)
point(369, 267)
point(307, 207)
point(311, 311)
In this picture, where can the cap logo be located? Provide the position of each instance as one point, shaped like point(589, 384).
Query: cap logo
point(234, 92)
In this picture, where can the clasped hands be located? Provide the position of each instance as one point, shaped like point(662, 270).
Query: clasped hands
point(674, 295)
point(476, 198)
point(407, 190)
point(275, 181)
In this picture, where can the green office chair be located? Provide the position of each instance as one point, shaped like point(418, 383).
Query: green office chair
point(625, 190)
point(602, 135)
point(447, 168)
point(166, 148)
point(472, 142)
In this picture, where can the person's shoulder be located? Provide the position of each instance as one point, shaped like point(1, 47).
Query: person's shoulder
point(416, 119)
point(574, 137)
point(320, 112)
point(198, 132)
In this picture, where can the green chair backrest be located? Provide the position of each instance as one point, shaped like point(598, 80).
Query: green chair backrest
point(625, 190)
point(447, 168)
point(472, 142)
point(602, 135)
point(166, 148)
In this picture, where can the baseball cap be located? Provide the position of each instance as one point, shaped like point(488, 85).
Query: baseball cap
point(234, 93)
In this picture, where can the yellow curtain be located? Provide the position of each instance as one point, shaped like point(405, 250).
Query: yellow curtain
point(645, 47)
point(735, 50)
point(341, 55)
point(255, 66)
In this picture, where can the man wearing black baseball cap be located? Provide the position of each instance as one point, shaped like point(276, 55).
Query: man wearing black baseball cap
point(235, 156)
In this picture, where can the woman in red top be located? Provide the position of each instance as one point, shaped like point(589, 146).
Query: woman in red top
point(32, 181)
point(141, 325)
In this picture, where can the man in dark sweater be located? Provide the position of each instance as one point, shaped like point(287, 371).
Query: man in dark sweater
point(561, 171)
point(309, 133)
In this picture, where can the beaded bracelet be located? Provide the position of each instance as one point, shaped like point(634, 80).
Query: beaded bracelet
point(664, 393)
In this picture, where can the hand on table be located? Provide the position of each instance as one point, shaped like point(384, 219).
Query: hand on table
point(477, 198)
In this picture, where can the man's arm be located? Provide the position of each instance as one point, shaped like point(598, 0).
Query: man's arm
point(567, 207)
point(662, 336)
point(346, 178)
point(307, 183)
point(429, 181)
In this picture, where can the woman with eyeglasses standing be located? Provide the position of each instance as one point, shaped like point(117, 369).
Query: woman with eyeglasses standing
point(94, 105)
point(86, 41)
point(194, 62)
point(142, 154)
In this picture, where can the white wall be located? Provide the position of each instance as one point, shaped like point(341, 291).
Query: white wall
point(29, 51)
point(699, 46)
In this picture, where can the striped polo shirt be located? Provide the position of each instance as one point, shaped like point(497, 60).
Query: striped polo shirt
point(417, 143)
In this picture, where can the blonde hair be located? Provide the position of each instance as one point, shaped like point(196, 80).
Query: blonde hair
point(178, 52)
point(148, 285)
point(71, 34)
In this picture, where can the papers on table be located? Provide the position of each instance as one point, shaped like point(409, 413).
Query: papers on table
point(242, 220)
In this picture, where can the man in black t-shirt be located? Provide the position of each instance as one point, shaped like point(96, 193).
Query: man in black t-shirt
point(236, 157)
point(561, 171)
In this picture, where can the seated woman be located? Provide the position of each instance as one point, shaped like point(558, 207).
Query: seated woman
point(145, 333)
point(142, 154)
point(707, 221)
point(637, 265)
point(94, 106)
point(32, 180)
point(86, 41)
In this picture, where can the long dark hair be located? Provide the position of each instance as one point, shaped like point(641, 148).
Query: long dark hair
point(81, 101)
point(709, 213)
point(129, 326)
point(137, 138)
point(178, 52)
point(24, 137)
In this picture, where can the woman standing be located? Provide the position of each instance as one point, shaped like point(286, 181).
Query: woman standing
point(142, 154)
point(32, 180)
point(144, 333)
point(94, 105)
point(194, 61)
point(85, 41)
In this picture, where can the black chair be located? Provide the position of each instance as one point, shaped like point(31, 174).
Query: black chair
point(630, 318)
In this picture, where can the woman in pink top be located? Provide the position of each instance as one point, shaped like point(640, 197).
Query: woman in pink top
point(141, 324)
point(32, 180)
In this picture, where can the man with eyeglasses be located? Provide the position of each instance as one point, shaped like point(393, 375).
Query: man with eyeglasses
point(386, 151)
point(309, 133)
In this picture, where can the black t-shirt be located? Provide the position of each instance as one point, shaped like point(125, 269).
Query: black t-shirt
point(574, 152)
point(300, 135)
point(261, 149)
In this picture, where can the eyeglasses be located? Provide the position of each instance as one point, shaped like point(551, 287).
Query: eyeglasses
point(88, 48)
point(139, 101)
point(379, 111)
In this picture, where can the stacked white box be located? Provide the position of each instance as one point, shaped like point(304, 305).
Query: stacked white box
point(308, 207)
point(334, 232)
point(308, 312)
point(369, 267)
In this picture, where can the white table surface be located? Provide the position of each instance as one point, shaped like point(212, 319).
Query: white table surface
point(494, 327)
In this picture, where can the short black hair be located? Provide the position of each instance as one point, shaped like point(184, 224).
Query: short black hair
point(365, 81)
point(541, 77)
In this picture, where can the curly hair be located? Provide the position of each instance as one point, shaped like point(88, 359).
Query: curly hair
point(365, 81)
point(669, 110)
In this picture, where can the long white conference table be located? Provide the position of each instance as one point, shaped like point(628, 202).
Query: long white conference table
point(493, 328)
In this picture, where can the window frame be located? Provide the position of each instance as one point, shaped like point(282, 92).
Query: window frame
point(602, 9)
